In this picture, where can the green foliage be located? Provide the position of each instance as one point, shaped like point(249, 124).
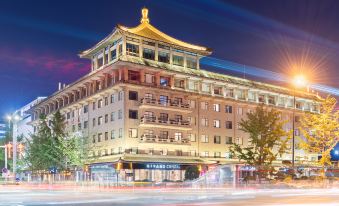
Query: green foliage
point(51, 146)
point(267, 138)
point(321, 130)
point(191, 173)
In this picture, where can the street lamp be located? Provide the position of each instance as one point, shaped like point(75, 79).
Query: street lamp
point(299, 81)
point(13, 118)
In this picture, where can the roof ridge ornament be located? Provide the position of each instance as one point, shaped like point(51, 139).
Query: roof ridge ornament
point(144, 13)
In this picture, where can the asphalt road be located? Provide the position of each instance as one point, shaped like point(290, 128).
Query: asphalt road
point(274, 197)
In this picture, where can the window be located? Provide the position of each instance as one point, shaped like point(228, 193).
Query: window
point(149, 78)
point(106, 101)
point(163, 100)
point(251, 96)
point(148, 54)
point(106, 135)
point(230, 93)
point(217, 90)
point(228, 124)
point(119, 114)
point(85, 108)
point(191, 63)
point(204, 105)
point(133, 75)
point(205, 154)
point(261, 98)
point(99, 137)
point(99, 103)
point(177, 136)
point(120, 150)
point(164, 81)
point(178, 60)
point(204, 122)
point(240, 111)
point(163, 118)
point(192, 137)
point(204, 138)
point(112, 116)
point(193, 85)
point(132, 95)
point(120, 132)
point(163, 57)
point(133, 133)
point(113, 54)
point(298, 105)
point(85, 124)
point(106, 118)
point(206, 87)
point(228, 109)
point(73, 128)
point(93, 122)
point(271, 100)
point(192, 104)
point(120, 95)
point(217, 139)
point(216, 107)
point(216, 123)
point(79, 126)
point(179, 83)
point(217, 154)
point(238, 140)
point(68, 115)
point(93, 140)
point(112, 98)
point(229, 140)
point(100, 120)
point(132, 49)
point(133, 114)
point(113, 134)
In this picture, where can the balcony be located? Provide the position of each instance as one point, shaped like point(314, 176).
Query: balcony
point(152, 121)
point(147, 138)
point(160, 152)
point(165, 104)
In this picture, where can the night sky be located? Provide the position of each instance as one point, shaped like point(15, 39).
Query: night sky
point(40, 40)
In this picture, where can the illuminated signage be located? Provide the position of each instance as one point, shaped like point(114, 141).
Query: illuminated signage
point(162, 166)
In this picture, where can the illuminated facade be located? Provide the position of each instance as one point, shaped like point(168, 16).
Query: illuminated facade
point(149, 110)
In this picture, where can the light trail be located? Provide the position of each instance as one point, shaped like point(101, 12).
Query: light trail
point(261, 73)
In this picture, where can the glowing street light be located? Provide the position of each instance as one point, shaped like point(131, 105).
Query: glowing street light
point(13, 118)
point(299, 81)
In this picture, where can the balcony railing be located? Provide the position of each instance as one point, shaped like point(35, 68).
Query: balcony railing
point(160, 152)
point(164, 121)
point(163, 139)
point(166, 103)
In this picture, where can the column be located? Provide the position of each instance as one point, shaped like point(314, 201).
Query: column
point(142, 76)
point(156, 52)
point(125, 74)
point(109, 54)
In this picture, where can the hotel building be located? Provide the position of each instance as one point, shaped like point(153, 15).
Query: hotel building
point(148, 110)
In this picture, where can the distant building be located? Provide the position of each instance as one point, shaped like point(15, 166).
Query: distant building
point(3, 129)
point(22, 127)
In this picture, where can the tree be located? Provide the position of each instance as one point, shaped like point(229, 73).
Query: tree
point(52, 147)
point(320, 130)
point(191, 173)
point(267, 138)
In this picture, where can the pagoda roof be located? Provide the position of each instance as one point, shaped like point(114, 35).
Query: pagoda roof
point(146, 30)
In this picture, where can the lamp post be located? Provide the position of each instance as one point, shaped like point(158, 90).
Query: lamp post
point(298, 82)
point(13, 119)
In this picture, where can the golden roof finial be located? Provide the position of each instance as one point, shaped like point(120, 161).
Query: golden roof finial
point(144, 13)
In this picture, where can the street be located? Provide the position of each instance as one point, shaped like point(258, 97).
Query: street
point(17, 195)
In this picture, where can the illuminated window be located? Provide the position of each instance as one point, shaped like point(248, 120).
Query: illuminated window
point(132, 49)
point(216, 123)
point(148, 54)
point(216, 107)
point(133, 133)
point(204, 138)
point(163, 57)
point(191, 63)
point(178, 60)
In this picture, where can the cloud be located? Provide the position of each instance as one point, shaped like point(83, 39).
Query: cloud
point(41, 64)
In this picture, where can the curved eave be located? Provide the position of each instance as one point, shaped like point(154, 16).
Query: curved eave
point(164, 37)
point(87, 53)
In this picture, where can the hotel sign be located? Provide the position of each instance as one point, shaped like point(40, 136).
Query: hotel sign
point(162, 166)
